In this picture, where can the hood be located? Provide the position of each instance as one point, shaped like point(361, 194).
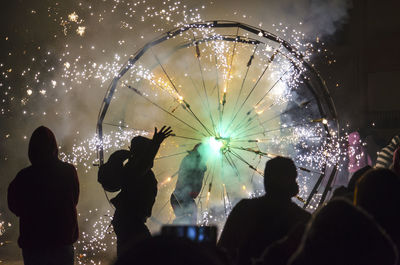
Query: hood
point(42, 146)
point(140, 145)
point(354, 139)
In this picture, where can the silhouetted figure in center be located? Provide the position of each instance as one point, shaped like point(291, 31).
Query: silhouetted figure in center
point(138, 185)
point(44, 197)
point(188, 186)
point(256, 223)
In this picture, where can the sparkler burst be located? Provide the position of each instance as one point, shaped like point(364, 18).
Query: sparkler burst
point(95, 246)
point(245, 93)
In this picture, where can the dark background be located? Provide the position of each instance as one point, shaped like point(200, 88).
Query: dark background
point(367, 69)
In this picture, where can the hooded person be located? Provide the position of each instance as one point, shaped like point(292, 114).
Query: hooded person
point(137, 185)
point(188, 186)
point(44, 196)
point(357, 153)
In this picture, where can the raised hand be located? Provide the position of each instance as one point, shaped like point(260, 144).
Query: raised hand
point(160, 136)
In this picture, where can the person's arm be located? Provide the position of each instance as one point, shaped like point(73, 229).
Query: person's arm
point(14, 196)
point(145, 160)
point(158, 138)
point(75, 186)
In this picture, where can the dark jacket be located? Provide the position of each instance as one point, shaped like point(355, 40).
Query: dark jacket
point(44, 195)
point(135, 179)
point(254, 224)
point(138, 192)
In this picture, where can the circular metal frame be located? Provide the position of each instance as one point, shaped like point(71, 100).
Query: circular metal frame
point(326, 108)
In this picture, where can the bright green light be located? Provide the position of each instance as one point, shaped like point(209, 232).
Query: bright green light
point(215, 144)
point(214, 147)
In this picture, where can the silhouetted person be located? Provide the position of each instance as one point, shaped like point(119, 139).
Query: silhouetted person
point(348, 192)
point(339, 233)
point(138, 185)
point(254, 224)
point(378, 192)
point(44, 197)
point(188, 186)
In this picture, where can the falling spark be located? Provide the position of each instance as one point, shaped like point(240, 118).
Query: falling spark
point(81, 30)
point(73, 17)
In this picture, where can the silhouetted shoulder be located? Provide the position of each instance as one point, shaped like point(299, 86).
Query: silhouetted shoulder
point(300, 211)
point(244, 206)
point(68, 166)
point(64, 168)
point(244, 203)
point(23, 172)
point(21, 179)
point(239, 216)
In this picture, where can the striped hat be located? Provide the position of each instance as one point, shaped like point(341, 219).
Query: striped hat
point(385, 155)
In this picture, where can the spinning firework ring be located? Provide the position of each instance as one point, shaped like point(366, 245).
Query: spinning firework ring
point(246, 93)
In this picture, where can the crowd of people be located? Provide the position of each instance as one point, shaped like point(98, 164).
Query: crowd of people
point(359, 225)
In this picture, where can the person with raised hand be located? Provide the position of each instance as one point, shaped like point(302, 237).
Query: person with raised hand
point(137, 185)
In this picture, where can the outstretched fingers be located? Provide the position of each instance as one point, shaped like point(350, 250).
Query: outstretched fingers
point(160, 135)
point(166, 131)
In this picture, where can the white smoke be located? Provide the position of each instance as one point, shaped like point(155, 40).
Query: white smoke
point(313, 17)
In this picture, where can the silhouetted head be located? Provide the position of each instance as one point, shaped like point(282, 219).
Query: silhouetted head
point(280, 177)
point(198, 151)
point(140, 144)
point(348, 192)
point(196, 148)
point(340, 233)
point(343, 193)
point(42, 146)
point(356, 176)
point(378, 192)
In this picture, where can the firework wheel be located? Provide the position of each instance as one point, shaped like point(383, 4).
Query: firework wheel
point(243, 91)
